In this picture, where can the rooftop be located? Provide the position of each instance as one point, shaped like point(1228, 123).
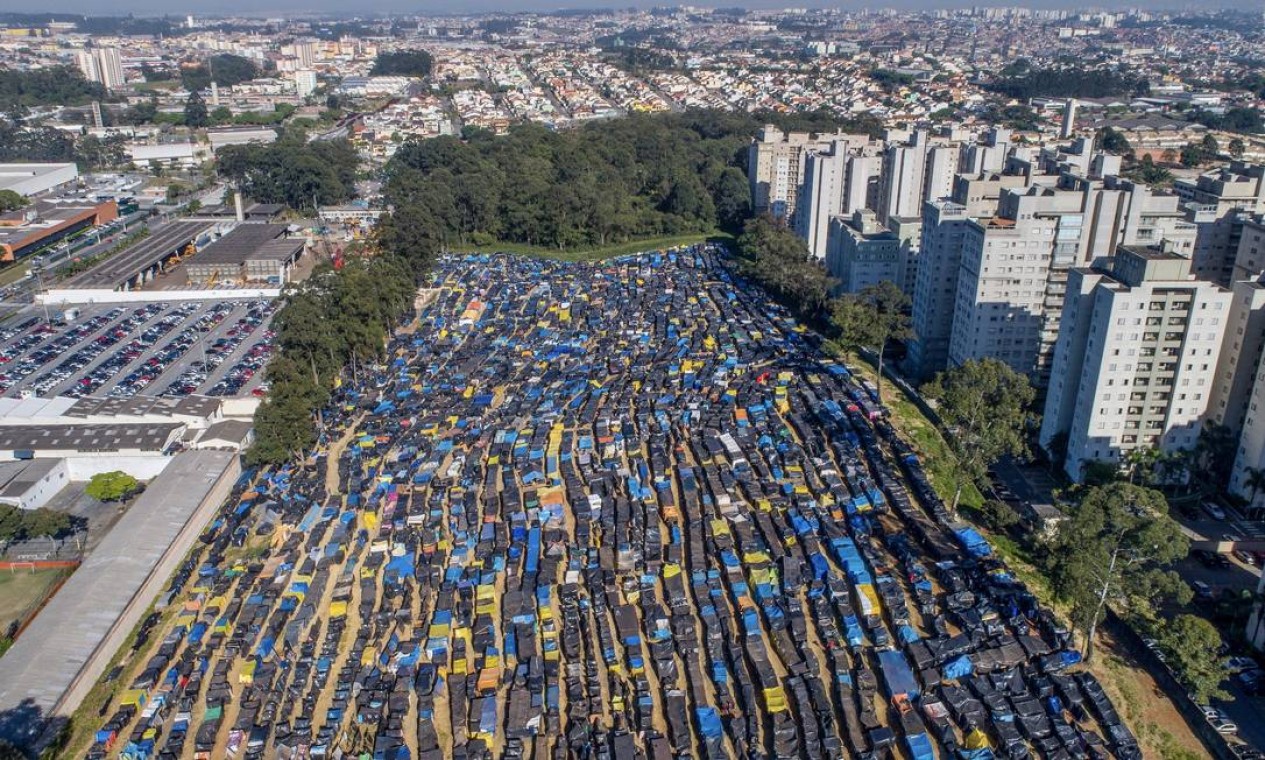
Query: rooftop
point(88, 438)
point(16, 478)
point(48, 657)
point(12, 175)
point(244, 242)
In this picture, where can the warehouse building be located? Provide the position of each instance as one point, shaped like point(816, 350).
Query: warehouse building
point(25, 231)
point(34, 179)
point(250, 253)
point(30, 484)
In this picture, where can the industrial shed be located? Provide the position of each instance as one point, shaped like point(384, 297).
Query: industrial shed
point(250, 253)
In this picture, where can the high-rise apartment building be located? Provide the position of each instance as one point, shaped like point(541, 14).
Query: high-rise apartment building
point(304, 82)
point(102, 65)
point(776, 164)
point(1136, 360)
point(1251, 451)
point(1218, 203)
point(1014, 264)
point(860, 189)
point(821, 196)
point(944, 225)
point(863, 252)
point(1240, 355)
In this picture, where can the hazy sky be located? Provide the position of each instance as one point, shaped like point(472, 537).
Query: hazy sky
point(278, 7)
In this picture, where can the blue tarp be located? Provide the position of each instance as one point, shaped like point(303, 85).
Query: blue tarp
point(959, 668)
point(975, 544)
point(709, 724)
point(920, 747)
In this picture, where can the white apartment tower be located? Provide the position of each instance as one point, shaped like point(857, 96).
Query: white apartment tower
point(1135, 362)
point(863, 252)
point(777, 161)
point(821, 196)
point(102, 65)
point(304, 82)
point(1015, 264)
point(944, 225)
point(1251, 452)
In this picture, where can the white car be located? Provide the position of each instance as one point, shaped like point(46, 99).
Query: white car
point(1214, 511)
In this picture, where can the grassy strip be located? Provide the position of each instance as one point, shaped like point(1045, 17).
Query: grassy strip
point(13, 273)
point(599, 253)
point(937, 459)
point(1119, 679)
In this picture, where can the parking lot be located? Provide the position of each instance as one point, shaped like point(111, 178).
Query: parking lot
point(607, 511)
point(122, 350)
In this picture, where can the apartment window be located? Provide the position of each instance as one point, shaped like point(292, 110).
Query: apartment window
point(1157, 306)
point(1177, 321)
point(1150, 336)
point(1154, 321)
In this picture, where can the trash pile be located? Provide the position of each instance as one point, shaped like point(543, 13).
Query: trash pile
point(612, 510)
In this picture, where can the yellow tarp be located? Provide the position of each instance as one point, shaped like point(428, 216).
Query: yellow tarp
point(977, 739)
point(775, 699)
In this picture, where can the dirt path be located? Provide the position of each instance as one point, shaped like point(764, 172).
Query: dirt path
point(1160, 728)
point(332, 480)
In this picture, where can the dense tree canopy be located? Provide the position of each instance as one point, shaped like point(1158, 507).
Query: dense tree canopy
point(111, 486)
point(1068, 82)
point(55, 85)
point(1237, 119)
point(9, 201)
point(41, 144)
point(984, 408)
point(334, 319)
point(292, 172)
point(19, 524)
point(225, 68)
point(1115, 548)
point(404, 63)
point(1191, 644)
point(602, 183)
point(872, 317)
point(774, 257)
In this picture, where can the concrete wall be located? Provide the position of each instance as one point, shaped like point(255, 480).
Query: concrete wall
point(140, 467)
point(241, 406)
point(71, 296)
point(149, 590)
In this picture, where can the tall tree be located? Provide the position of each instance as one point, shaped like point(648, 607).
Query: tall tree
point(1115, 549)
point(871, 318)
point(1214, 454)
point(1191, 644)
point(1254, 481)
point(774, 257)
point(195, 113)
point(983, 405)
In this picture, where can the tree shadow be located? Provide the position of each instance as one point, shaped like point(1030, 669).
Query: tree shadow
point(30, 733)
